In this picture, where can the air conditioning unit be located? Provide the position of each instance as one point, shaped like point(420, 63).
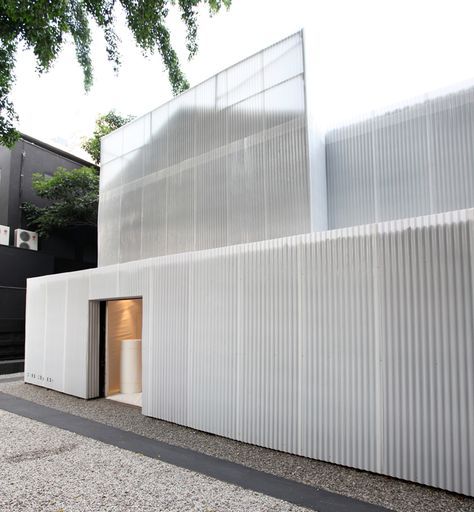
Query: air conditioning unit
point(4, 235)
point(26, 239)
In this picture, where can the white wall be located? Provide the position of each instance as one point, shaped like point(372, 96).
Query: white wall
point(353, 346)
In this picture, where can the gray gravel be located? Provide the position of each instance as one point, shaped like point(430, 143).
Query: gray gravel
point(389, 492)
point(44, 468)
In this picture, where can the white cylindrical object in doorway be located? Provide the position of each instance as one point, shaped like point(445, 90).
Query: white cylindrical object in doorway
point(131, 366)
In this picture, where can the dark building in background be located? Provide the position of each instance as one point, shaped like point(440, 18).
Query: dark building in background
point(65, 251)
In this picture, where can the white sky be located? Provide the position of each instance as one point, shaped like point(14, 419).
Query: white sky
point(369, 53)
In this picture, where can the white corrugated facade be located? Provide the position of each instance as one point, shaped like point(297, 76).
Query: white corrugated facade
point(353, 346)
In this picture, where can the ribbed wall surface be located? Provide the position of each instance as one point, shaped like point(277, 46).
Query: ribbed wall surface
point(414, 161)
point(226, 162)
point(353, 346)
point(57, 334)
point(427, 326)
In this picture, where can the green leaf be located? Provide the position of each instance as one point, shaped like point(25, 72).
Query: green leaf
point(104, 125)
point(42, 26)
point(73, 196)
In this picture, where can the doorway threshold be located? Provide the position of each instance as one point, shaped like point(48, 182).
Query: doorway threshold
point(127, 398)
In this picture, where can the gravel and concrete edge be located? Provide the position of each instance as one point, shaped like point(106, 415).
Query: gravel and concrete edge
point(47, 469)
point(377, 489)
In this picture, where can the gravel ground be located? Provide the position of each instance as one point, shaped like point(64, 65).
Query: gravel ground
point(44, 468)
point(392, 493)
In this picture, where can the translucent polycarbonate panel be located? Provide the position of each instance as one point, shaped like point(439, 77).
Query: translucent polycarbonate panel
point(180, 211)
point(154, 216)
point(209, 118)
point(111, 174)
point(181, 130)
point(283, 61)
point(225, 162)
point(245, 119)
point(221, 90)
point(284, 188)
point(285, 153)
point(451, 126)
point(158, 145)
point(316, 120)
point(244, 80)
point(285, 105)
point(211, 204)
point(133, 165)
point(130, 222)
point(111, 146)
point(108, 227)
point(137, 134)
point(352, 346)
point(350, 177)
point(413, 161)
point(245, 197)
point(394, 197)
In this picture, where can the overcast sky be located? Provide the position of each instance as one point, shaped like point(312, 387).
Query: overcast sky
point(368, 53)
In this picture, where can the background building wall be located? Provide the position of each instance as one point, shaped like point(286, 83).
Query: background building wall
point(352, 346)
point(18, 164)
point(5, 157)
point(416, 160)
point(63, 251)
point(225, 162)
point(16, 266)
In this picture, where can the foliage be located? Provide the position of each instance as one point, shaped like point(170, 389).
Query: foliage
point(43, 25)
point(104, 124)
point(74, 197)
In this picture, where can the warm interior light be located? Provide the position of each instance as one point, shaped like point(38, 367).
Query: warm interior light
point(124, 322)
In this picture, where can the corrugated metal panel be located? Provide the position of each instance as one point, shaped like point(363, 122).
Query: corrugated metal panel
point(104, 282)
point(428, 332)
point(353, 346)
point(414, 161)
point(76, 330)
point(168, 347)
point(34, 328)
point(55, 332)
point(340, 344)
point(225, 162)
point(90, 344)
